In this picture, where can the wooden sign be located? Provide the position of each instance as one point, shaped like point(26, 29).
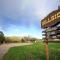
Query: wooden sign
point(51, 24)
point(52, 34)
point(51, 19)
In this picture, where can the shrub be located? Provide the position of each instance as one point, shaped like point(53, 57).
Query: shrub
point(2, 38)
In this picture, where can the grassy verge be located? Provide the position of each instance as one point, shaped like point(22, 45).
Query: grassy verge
point(33, 52)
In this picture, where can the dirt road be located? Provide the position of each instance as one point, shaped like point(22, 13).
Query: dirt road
point(5, 47)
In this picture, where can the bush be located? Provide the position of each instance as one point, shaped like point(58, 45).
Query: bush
point(2, 38)
point(13, 39)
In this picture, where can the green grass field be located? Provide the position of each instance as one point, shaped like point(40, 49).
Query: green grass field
point(33, 52)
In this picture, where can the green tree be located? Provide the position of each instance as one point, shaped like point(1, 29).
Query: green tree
point(2, 38)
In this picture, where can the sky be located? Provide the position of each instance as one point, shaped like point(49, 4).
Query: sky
point(23, 17)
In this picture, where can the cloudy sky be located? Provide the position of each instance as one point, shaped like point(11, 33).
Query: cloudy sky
point(22, 17)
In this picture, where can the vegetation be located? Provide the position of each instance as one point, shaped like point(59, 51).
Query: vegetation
point(19, 39)
point(15, 39)
point(2, 38)
point(33, 52)
point(12, 39)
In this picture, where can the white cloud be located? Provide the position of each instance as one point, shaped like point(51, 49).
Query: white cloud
point(30, 11)
point(44, 7)
point(1, 29)
point(17, 8)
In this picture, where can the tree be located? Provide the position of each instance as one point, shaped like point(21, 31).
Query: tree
point(2, 38)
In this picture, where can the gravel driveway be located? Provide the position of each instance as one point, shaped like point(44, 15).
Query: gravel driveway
point(5, 47)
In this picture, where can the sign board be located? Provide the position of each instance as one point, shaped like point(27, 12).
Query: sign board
point(51, 24)
point(51, 19)
point(53, 32)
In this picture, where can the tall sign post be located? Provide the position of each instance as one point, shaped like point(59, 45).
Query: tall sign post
point(52, 25)
point(46, 46)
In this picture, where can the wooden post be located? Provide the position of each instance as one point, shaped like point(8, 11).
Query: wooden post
point(46, 47)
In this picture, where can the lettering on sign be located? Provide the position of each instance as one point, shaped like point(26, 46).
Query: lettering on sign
point(50, 18)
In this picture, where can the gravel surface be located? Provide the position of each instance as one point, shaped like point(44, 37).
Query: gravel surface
point(5, 47)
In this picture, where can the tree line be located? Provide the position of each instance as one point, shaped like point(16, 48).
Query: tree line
point(2, 38)
point(14, 39)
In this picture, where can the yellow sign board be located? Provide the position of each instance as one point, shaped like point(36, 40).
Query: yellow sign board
point(49, 20)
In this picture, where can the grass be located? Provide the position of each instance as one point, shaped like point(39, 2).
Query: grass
point(33, 52)
point(54, 51)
